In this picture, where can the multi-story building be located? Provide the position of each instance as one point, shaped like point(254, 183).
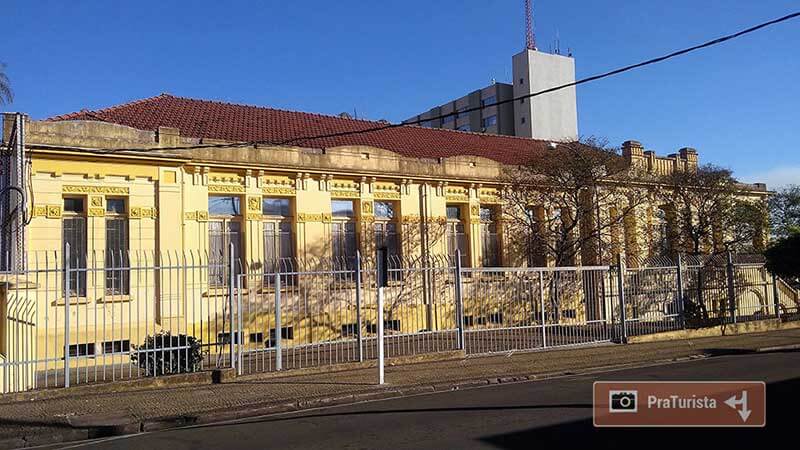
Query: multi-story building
point(552, 116)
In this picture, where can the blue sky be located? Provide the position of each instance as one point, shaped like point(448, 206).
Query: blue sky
point(736, 103)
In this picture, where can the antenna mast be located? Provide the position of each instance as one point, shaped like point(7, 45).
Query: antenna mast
point(530, 40)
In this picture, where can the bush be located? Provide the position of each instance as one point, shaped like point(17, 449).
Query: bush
point(181, 354)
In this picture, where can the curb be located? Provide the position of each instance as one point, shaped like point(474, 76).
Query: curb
point(123, 427)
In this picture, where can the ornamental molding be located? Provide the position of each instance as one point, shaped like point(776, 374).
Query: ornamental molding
point(81, 189)
point(254, 203)
point(53, 211)
point(367, 208)
point(387, 195)
point(226, 188)
point(39, 211)
point(345, 194)
point(304, 217)
point(275, 190)
point(200, 216)
point(96, 212)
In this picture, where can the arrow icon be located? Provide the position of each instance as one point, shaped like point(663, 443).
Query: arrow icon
point(734, 402)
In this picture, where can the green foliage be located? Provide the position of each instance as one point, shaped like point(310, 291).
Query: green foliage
point(784, 209)
point(165, 354)
point(783, 257)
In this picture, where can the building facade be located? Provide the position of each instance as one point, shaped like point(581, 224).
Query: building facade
point(198, 193)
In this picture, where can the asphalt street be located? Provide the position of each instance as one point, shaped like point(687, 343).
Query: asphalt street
point(539, 414)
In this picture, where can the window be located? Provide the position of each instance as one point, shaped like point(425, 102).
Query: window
point(385, 228)
point(522, 120)
point(343, 233)
point(342, 208)
point(489, 121)
point(448, 119)
point(522, 101)
point(464, 128)
point(74, 235)
point(462, 114)
point(489, 100)
point(426, 123)
point(224, 229)
point(522, 81)
point(490, 244)
point(278, 239)
point(118, 346)
point(117, 266)
point(456, 235)
point(76, 350)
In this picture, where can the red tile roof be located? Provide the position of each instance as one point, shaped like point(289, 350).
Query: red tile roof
point(232, 122)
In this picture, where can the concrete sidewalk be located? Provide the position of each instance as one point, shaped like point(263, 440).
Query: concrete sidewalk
point(67, 415)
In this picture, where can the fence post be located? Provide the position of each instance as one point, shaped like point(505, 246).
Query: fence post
point(381, 280)
point(776, 294)
point(623, 338)
point(240, 347)
point(359, 337)
point(459, 302)
point(731, 287)
point(680, 305)
point(231, 293)
point(541, 306)
point(66, 314)
point(278, 328)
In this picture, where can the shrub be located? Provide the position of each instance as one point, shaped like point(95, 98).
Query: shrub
point(166, 354)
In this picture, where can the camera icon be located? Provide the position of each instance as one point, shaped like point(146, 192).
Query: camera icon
point(623, 401)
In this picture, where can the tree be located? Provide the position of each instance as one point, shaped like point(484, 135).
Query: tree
point(6, 96)
point(784, 209)
point(783, 257)
point(569, 200)
point(711, 213)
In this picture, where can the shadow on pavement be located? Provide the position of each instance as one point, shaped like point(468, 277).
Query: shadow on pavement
point(782, 406)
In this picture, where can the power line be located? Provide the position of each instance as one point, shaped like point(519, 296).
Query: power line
point(477, 108)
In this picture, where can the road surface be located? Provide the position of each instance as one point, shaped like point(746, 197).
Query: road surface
point(547, 414)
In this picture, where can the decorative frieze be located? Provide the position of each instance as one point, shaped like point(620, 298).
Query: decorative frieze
point(345, 194)
point(53, 211)
point(343, 188)
point(76, 189)
point(456, 194)
point(200, 216)
point(489, 195)
point(96, 212)
point(226, 189)
point(142, 212)
point(39, 211)
point(277, 190)
point(415, 218)
point(386, 191)
point(278, 185)
point(304, 217)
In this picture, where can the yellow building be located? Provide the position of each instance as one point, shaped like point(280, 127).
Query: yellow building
point(170, 184)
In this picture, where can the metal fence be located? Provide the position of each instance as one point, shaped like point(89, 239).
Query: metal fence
point(72, 320)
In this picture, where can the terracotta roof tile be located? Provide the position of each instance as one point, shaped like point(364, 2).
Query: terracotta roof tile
point(233, 122)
